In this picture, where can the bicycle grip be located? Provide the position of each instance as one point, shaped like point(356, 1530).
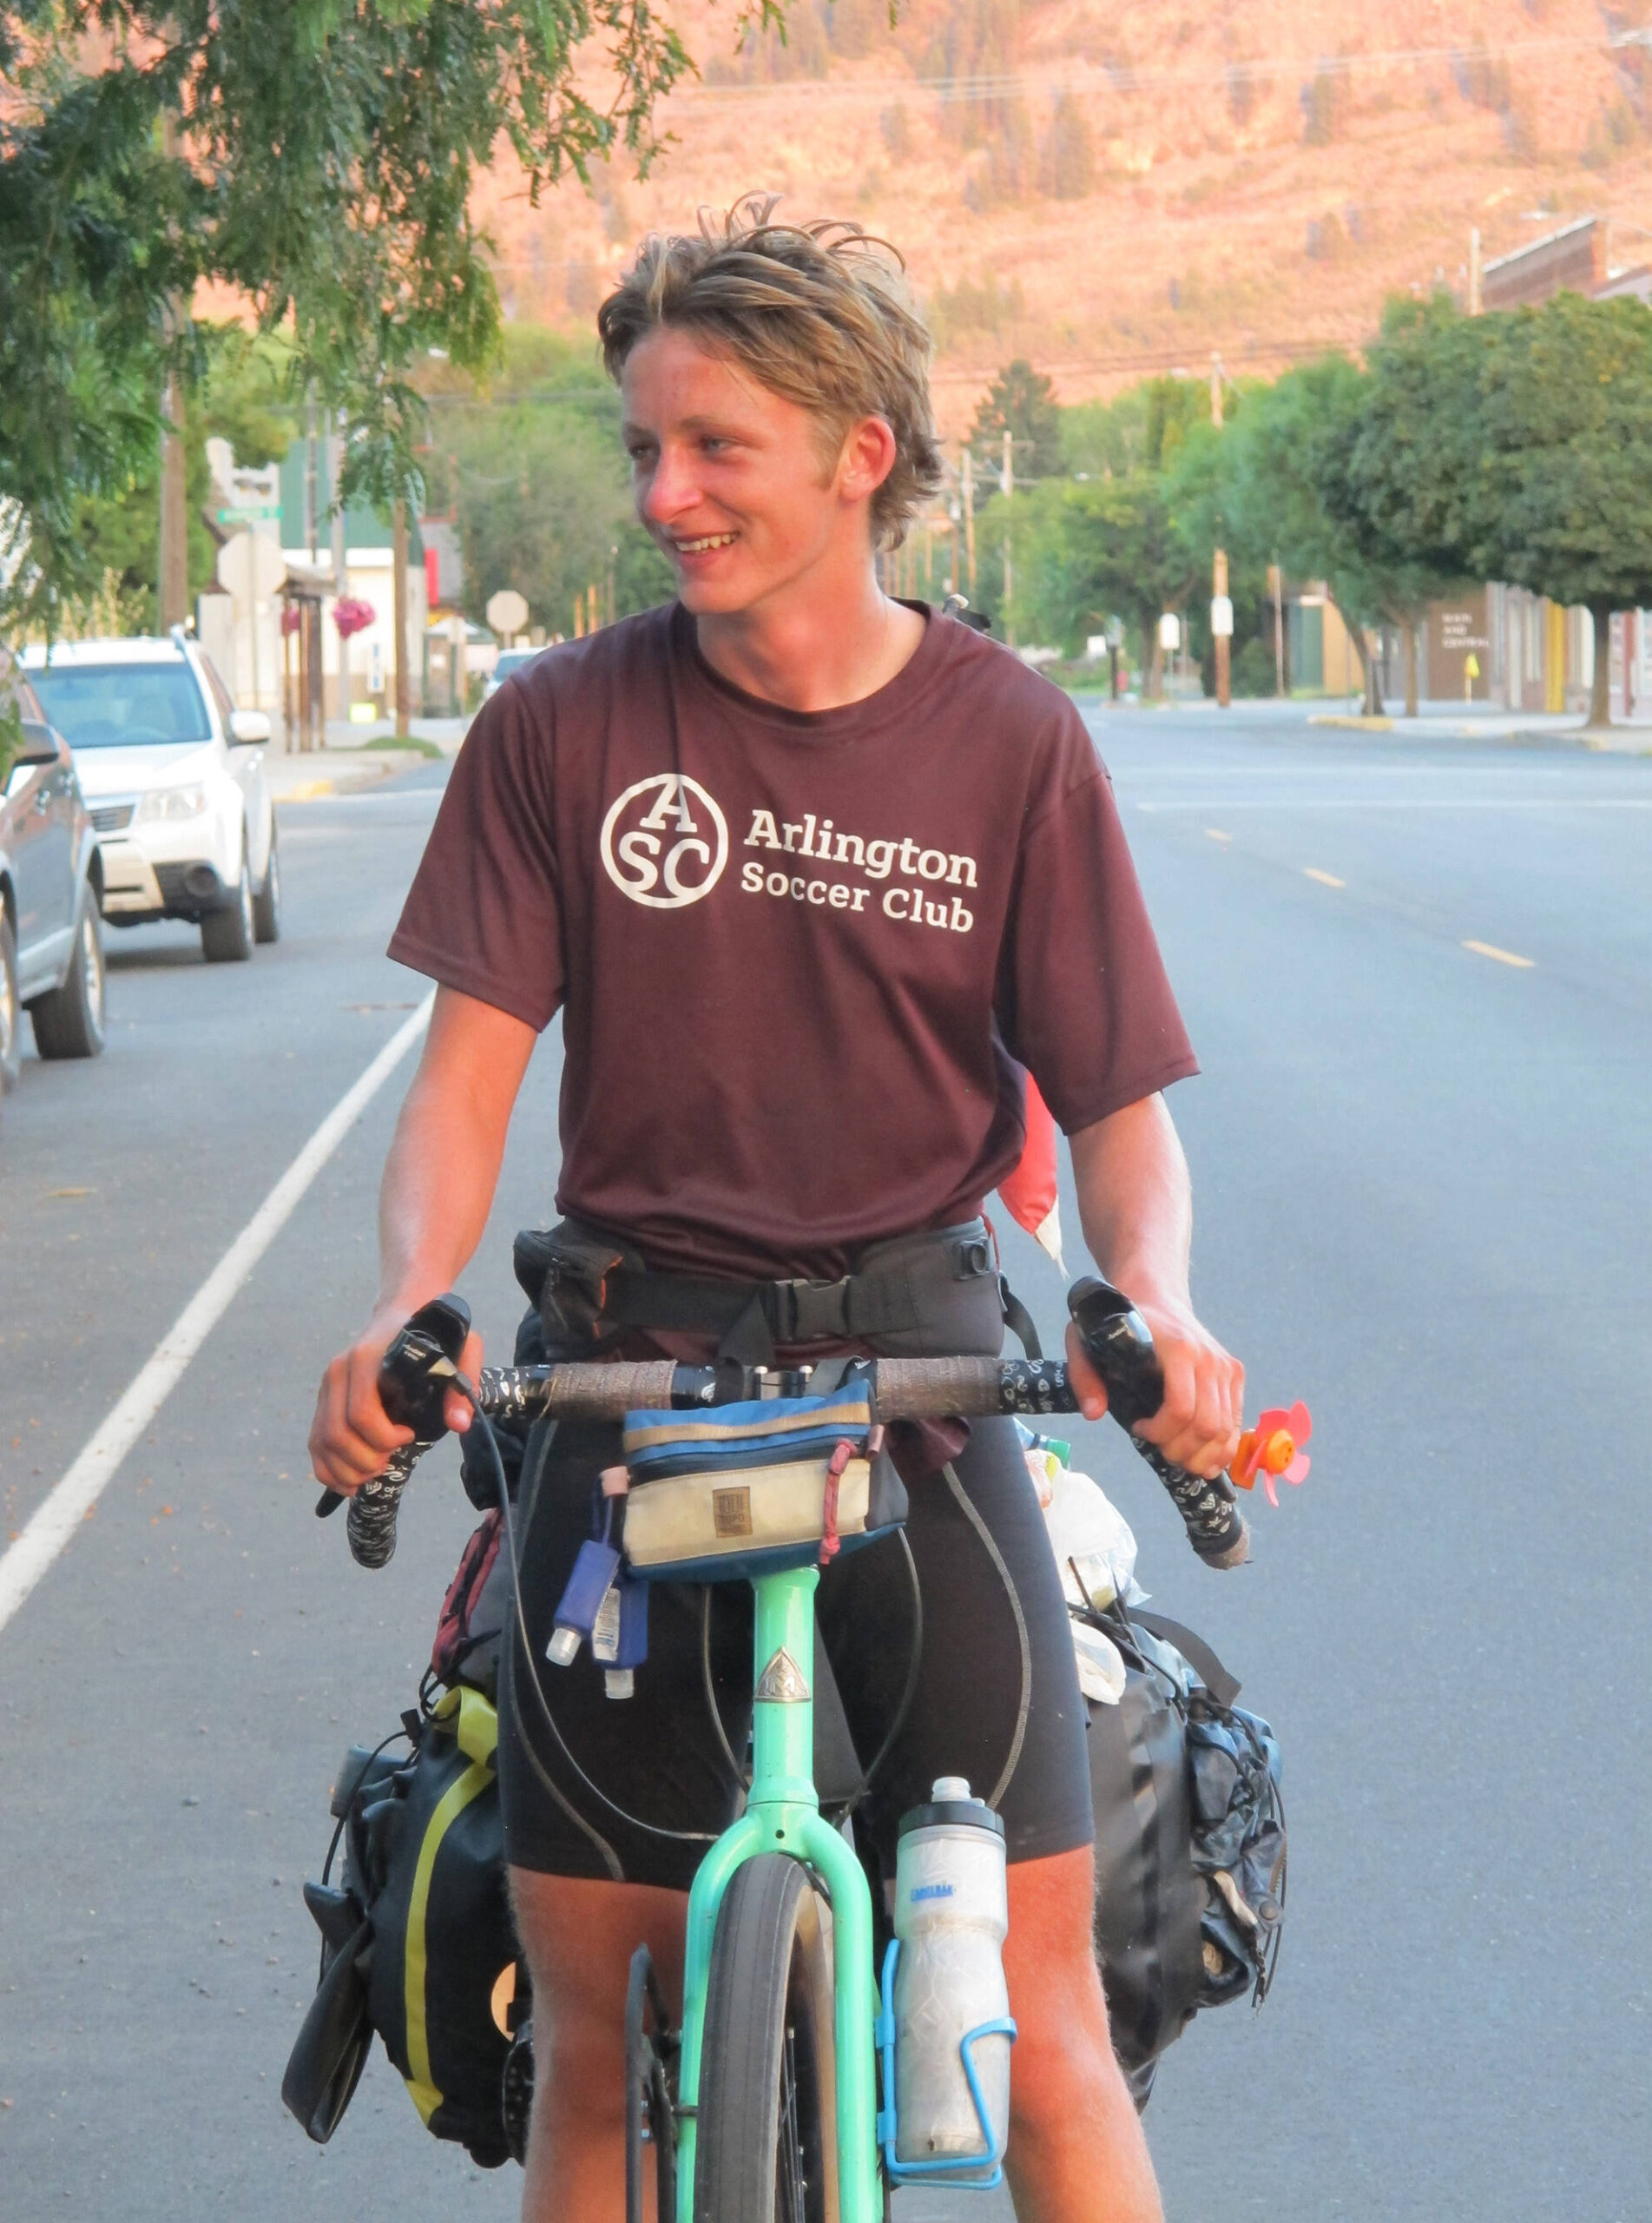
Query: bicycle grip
point(1119, 1344)
point(414, 1377)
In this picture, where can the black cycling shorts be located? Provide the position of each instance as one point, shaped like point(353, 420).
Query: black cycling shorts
point(995, 1698)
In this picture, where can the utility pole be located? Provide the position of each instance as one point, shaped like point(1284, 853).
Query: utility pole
point(1009, 482)
point(335, 477)
point(1221, 609)
point(969, 518)
point(1474, 270)
point(1276, 588)
point(398, 595)
point(174, 552)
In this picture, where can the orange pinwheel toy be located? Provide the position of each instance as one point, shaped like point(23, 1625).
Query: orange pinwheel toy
point(1273, 1447)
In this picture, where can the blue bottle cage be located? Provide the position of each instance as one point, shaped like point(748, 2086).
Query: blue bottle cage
point(900, 2172)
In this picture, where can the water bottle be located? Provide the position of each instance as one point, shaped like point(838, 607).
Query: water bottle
point(952, 1916)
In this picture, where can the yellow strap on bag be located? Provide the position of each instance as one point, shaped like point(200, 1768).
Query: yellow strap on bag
point(477, 1732)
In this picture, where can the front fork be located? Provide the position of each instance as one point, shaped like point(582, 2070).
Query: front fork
point(783, 1815)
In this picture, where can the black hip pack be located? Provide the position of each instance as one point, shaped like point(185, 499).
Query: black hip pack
point(937, 1293)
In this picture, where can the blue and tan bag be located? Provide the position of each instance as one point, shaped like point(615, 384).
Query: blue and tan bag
point(749, 1488)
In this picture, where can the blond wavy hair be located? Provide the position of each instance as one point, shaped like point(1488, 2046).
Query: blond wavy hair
point(818, 312)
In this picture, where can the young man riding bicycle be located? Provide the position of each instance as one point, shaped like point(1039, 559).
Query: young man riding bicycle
point(810, 874)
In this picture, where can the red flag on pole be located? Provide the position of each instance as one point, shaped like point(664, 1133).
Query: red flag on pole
point(1031, 1193)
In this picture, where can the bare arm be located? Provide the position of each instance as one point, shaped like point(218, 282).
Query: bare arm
point(1136, 1205)
point(433, 1204)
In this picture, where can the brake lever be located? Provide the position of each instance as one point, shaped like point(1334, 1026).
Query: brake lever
point(420, 1366)
point(1119, 1344)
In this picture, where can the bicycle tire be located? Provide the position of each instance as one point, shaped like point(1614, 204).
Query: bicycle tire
point(766, 2141)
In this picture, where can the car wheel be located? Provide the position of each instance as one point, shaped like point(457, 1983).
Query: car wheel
point(267, 904)
point(226, 936)
point(69, 1022)
point(10, 1043)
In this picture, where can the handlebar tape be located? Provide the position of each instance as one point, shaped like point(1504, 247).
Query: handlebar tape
point(1119, 1344)
point(414, 1377)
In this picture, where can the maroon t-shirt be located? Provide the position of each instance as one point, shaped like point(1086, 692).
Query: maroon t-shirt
point(796, 955)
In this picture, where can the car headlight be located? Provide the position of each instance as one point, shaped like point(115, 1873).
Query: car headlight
point(173, 803)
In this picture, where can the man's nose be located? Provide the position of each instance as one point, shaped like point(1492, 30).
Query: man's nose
point(672, 488)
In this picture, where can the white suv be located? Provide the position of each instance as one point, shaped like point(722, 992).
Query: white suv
point(173, 774)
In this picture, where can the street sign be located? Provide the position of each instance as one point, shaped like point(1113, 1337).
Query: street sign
point(1221, 618)
point(507, 612)
point(249, 512)
point(1169, 631)
point(250, 568)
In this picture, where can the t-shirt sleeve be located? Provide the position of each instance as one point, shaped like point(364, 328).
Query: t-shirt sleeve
point(484, 914)
point(1084, 1002)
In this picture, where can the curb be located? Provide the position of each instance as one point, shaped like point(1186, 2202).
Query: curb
point(1355, 724)
point(348, 779)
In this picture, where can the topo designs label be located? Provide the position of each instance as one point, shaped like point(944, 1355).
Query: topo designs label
point(665, 842)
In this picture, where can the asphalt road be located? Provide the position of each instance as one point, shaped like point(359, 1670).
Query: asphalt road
point(1424, 1205)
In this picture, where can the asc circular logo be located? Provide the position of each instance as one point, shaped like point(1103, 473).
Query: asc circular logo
point(665, 842)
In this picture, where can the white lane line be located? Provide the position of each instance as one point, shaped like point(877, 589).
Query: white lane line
point(1325, 879)
point(1502, 956)
point(55, 1522)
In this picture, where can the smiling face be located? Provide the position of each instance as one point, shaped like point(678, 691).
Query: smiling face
point(747, 493)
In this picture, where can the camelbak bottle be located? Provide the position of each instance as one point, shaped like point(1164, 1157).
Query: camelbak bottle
point(951, 1916)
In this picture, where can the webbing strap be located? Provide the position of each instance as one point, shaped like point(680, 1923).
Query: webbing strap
point(794, 1312)
point(1222, 1686)
point(425, 2094)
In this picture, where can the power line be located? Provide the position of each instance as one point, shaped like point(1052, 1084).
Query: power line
point(1099, 79)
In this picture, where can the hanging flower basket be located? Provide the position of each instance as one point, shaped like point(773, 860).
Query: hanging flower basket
point(351, 616)
point(292, 617)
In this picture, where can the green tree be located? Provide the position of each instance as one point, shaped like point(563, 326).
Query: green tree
point(1022, 402)
point(318, 156)
point(1398, 477)
point(1088, 550)
point(539, 484)
point(1288, 448)
point(1564, 439)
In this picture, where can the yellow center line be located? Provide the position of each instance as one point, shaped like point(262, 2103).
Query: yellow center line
point(1325, 879)
point(1502, 956)
point(1215, 833)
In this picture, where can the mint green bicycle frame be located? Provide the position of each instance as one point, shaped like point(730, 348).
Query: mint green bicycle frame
point(783, 1815)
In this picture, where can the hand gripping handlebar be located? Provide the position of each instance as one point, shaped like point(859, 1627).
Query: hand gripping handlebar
point(415, 1376)
point(422, 1364)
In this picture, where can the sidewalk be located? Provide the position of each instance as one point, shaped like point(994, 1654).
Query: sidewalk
point(1536, 727)
point(358, 757)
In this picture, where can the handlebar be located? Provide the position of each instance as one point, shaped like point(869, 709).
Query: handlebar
point(422, 1364)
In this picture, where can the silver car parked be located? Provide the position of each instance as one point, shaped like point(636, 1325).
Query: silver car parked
point(174, 776)
point(52, 880)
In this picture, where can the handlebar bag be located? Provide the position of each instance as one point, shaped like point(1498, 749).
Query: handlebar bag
point(750, 1488)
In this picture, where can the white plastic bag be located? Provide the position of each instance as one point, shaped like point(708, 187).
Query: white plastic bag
point(1094, 1548)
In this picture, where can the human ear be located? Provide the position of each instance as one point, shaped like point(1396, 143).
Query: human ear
point(867, 458)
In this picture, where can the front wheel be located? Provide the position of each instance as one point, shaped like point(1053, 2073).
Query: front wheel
point(11, 1046)
point(766, 2141)
point(226, 936)
point(68, 1020)
point(266, 903)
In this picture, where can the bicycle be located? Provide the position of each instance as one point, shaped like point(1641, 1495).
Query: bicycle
point(774, 2114)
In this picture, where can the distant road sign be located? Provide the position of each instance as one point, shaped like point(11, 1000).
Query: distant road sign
point(507, 612)
point(1221, 618)
point(1169, 631)
point(249, 513)
point(250, 568)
